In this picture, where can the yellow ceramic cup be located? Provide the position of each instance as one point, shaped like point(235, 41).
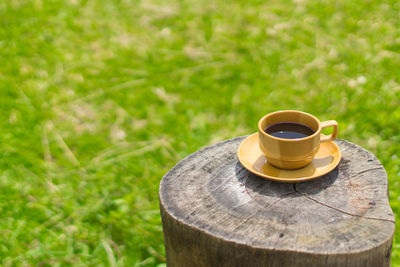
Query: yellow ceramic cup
point(293, 153)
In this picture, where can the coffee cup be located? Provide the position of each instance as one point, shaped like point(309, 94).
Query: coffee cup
point(289, 139)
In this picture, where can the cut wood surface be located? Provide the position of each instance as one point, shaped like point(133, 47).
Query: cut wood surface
point(216, 213)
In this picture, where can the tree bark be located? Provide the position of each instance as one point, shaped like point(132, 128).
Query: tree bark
point(216, 213)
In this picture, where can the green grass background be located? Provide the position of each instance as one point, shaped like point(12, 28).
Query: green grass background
point(99, 99)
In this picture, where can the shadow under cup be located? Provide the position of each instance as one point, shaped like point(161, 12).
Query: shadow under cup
point(289, 153)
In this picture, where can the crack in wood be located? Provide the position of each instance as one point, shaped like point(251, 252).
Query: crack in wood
point(280, 198)
point(367, 170)
point(258, 210)
point(245, 187)
point(339, 210)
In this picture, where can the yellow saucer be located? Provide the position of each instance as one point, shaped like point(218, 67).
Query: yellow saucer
point(251, 157)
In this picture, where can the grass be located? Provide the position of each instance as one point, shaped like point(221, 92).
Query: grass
point(100, 98)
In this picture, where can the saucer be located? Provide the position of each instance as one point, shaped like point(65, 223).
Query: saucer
point(251, 157)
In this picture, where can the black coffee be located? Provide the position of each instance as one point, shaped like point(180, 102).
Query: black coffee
point(289, 130)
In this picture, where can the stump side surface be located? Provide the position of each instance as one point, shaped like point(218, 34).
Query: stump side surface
point(345, 211)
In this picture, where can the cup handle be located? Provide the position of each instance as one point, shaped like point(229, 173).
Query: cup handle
point(333, 136)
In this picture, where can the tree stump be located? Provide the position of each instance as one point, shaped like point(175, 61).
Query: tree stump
point(216, 213)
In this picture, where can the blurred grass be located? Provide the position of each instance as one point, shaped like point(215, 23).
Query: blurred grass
point(100, 98)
